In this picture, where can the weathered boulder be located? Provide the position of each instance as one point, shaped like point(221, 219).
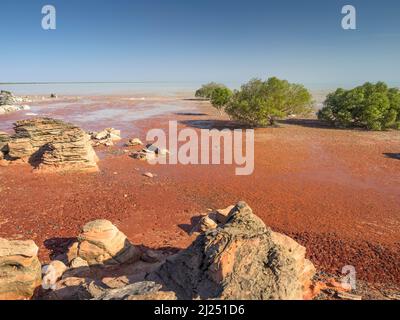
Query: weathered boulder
point(53, 144)
point(20, 269)
point(100, 242)
point(242, 259)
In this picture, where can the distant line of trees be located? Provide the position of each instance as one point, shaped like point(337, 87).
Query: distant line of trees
point(261, 103)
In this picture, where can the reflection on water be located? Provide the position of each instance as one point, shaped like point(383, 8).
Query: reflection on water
point(126, 114)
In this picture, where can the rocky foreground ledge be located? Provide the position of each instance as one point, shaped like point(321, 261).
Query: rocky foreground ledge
point(239, 258)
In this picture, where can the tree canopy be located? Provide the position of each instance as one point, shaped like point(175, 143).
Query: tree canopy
point(220, 98)
point(370, 106)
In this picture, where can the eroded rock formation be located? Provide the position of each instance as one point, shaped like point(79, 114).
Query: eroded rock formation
point(20, 269)
point(100, 242)
point(242, 259)
point(51, 144)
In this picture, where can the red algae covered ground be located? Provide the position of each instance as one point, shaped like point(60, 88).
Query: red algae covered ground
point(335, 191)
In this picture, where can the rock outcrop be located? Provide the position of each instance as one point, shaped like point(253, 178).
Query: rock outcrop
point(100, 242)
point(242, 259)
point(20, 269)
point(11, 103)
point(52, 144)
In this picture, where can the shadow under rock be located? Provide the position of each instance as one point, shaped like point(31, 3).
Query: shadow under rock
point(59, 247)
point(392, 155)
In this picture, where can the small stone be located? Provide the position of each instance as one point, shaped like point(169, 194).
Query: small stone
point(51, 273)
point(206, 223)
point(79, 263)
point(148, 174)
point(155, 149)
point(134, 142)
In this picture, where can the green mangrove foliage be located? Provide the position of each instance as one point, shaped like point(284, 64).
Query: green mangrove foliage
point(207, 90)
point(370, 106)
point(260, 103)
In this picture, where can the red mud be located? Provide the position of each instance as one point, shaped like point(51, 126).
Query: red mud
point(335, 191)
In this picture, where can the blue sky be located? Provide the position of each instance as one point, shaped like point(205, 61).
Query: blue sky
point(201, 40)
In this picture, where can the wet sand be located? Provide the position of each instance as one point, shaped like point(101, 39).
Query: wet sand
point(335, 191)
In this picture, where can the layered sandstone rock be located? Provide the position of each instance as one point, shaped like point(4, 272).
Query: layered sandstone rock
point(53, 144)
point(242, 259)
point(100, 242)
point(20, 269)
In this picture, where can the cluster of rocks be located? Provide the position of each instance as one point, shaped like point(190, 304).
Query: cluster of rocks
point(134, 142)
point(106, 137)
point(11, 103)
point(149, 152)
point(239, 258)
point(49, 144)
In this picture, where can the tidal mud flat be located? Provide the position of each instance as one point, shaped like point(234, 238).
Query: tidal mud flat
point(335, 191)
